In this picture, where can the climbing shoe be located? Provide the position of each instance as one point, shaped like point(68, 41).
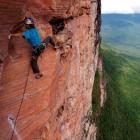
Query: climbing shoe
point(38, 75)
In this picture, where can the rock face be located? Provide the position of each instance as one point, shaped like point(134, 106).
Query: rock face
point(103, 93)
point(58, 106)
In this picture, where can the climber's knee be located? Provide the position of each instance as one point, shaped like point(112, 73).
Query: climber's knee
point(47, 40)
point(50, 40)
point(49, 37)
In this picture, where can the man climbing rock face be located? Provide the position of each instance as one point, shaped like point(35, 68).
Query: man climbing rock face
point(31, 34)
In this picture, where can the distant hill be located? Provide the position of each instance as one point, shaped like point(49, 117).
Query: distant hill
point(120, 49)
point(122, 31)
point(120, 119)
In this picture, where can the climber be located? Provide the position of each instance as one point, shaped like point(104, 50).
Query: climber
point(31, 34)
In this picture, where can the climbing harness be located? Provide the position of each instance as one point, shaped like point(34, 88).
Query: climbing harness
point(40, 49)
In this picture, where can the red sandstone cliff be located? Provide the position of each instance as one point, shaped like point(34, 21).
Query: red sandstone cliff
point(57, 107)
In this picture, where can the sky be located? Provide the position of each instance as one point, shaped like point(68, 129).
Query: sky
point(120, 6)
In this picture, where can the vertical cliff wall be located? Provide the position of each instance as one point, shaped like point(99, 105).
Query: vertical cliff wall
point(58, 106)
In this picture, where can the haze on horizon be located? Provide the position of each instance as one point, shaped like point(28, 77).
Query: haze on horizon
point(121, 6)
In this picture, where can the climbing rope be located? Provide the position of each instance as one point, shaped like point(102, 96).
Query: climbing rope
point(15, 122)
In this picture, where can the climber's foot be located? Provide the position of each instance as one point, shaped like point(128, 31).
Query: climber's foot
point(38, 75)
point(56, 47)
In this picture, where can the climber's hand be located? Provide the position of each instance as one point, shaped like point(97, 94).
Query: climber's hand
point(9, 36)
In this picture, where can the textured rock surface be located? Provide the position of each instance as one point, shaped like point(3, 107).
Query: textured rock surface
point(57, 106)
point(102, 82)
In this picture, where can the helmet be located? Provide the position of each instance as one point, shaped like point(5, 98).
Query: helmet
point(29, 21)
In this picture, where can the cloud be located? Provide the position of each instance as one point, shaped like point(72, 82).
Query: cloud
point(136, 9)
point(121, 6)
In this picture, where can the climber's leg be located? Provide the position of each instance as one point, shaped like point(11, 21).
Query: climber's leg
point(49, 40)
point(35, 66)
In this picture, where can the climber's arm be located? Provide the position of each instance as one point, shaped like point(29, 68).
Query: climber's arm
point(17, 35)
point(17, 27)
point(25, 35)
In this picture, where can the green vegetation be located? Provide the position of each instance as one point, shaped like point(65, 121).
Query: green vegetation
point(120, 118)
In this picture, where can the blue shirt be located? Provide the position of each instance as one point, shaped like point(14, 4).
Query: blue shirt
point(33, 37)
